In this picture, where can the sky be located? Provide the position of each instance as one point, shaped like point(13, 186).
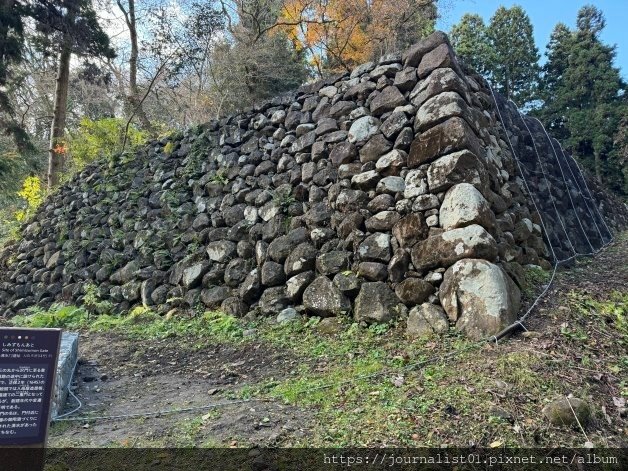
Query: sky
point(544, 14)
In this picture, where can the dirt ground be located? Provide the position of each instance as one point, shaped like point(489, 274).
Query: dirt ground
point(118, 377)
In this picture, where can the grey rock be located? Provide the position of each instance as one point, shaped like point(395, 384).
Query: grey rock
point(363, 129)
point(479, 297)
point(213, 297)
point(333, 262)
point(446, 248)
point(376, 303)
point(414, 291)
point(323, 299)
point(375, 248)
point(391, 185)
point(302, 258)
point(426, 320)
point(464, 205)
point(373, 271)
point(387, 100)
point(295, 286)
point(272, 274)
point(221, 251)
point(287, 315)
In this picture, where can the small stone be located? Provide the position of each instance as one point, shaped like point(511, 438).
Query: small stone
point(287, 315)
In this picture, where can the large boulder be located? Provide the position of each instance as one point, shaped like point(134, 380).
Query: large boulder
point(479, 297)
point(376, 303)
point(464, 205)
point(446, 248)
point(439, 81)
point(457, 167)
point(322, 298)
point(438, 108)
point(449, 136)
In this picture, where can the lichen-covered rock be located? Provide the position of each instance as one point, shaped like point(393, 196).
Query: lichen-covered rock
point(479, 297)
point(333, 262)
point(377, 303)
point(363, 129)
point(446, 248)
point(449, 136)
point(438, 108)
point(457, 167)
point(221, 251)
point(323, 299)
point(375, 248)
point(302, 258)
point(426, 320)
point(464, 205)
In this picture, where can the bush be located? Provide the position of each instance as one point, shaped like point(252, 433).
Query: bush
point(102, 138)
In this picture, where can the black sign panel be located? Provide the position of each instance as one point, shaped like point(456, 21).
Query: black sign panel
point(28, 361)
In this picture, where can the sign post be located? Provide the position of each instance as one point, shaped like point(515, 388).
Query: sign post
point(28, 364)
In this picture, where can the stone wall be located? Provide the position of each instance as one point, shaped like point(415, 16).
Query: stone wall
point(390, 192)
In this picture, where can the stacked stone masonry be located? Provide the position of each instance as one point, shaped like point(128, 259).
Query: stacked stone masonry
point(391, 192)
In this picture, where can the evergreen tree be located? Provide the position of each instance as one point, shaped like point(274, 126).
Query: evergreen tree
point(514, 61)
point(69, 27)
point(11, 45)
point(552, 75)
point(584, 95)
point(471, 43)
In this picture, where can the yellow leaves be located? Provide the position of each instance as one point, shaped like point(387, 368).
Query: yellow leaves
point(33, 194)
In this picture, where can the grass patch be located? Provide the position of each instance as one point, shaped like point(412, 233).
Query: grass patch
point(140, 322)
point(534, 278)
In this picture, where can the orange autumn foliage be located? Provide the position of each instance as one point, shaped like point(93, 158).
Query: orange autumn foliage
point(339, 34)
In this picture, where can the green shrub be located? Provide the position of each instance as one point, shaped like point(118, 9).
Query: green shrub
point(102, 138)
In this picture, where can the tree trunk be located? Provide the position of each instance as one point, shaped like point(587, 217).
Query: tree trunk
point(134, 93)
point(55, 158)
point(598, 166)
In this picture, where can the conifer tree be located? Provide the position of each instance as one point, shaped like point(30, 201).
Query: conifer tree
point(584, 95)
point(514, 58)
point(471, 43)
